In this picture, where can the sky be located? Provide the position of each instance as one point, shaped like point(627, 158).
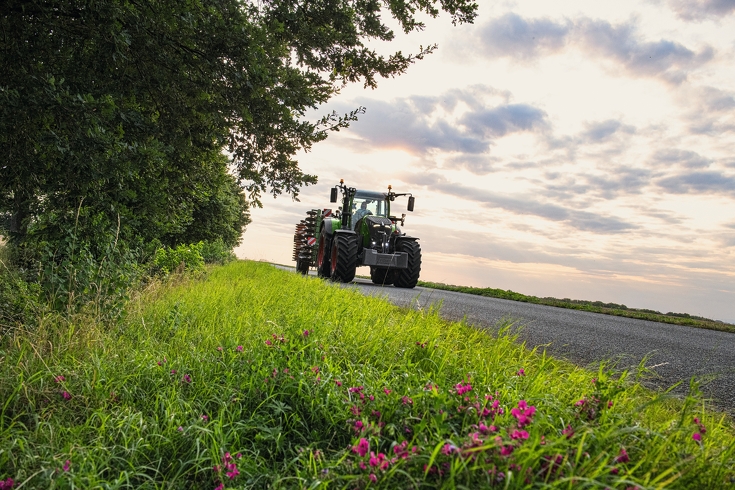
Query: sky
point(569, 149)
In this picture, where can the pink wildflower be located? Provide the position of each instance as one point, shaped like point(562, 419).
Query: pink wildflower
point(338, 382)
point(359, 426)
point(569, 432)
point(697, 437)
point(521, 372)
point(67, 465)
point(233, 473)
point(238, 455)
point(448, 449)
point(59, 379)
point(187, 378)
point(216, 468)
point(362, 465)
point(221, 486)
point(623, 456)
point(268, 342)
point(506, 450)
point(7, 484)
point(362, 447)
point(239, 348)
point(407, 401)
point(614, 471)
point(173, 371)
point(180, 429)
point(373, 478)
point(306, 333)
point(66, 395)
point(205, 417)
point(387, 391)
point(519, 434)
point(220, 350)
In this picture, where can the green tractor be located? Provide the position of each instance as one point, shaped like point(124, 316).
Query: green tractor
point(361, 232)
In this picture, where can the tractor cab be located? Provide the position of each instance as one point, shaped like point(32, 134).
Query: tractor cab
point(366, 203)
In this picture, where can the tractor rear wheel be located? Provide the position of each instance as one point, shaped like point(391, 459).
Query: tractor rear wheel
point(408, 277)
point(322, 256)
point(382, 276)
point(343, 260)
point(302, 266)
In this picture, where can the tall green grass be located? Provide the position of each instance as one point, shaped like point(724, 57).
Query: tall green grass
point(259, 378)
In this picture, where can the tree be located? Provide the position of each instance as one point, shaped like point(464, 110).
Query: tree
point(114, 110)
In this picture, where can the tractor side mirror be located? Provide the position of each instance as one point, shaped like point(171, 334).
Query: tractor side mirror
point(333, 195)
point(410, 203)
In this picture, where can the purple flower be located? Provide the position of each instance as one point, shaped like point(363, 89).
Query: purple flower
point(220, 350)
point(519, 434)
point(7, 484)
point(697, 437)
point(67, 465)
point(180, 429)
point(205, 417)
point(221, 486)
point(66, 395)
point(268, 342)
point(59, 379)
point(569, 432)
point(187, 378)
point(521, 372)
point(623, 456)
point(306, 333)
point(373, 478)
point(239, 348)
point(362, 447)
point(232, 474)
point(338, 382)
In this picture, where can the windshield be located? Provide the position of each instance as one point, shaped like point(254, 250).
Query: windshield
point(368, 204)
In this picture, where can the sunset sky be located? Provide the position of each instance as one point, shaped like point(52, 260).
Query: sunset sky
point(571, 149)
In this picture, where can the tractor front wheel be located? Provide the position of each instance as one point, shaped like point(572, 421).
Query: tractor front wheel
point(384, 277)
point(322, 256)
point(343, 260)
point(408, 277)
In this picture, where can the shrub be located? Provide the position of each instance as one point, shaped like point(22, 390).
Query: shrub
point(216, 252)
point(187, 257)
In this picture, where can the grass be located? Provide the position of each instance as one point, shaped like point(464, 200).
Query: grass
point(253, 377)
point(592, 306)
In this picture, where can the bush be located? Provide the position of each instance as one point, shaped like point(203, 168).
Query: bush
point(216, 252)
point(19, 303)
point(184, 257)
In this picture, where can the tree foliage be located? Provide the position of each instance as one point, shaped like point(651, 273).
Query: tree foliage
point(114, 113)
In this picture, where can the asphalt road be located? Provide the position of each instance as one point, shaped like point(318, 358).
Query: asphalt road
point(674, 353)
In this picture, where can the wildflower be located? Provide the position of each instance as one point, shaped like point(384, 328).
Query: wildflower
point(697, 437)
point(359, 426)
point(519, 434)
point(523, 413)
point(622, 457)
point(226, 458)
point(373, 478)
point(355, 389)
point(221, 486)
point(448, 449)
point(164, 361)
point(233, 473)
point(362, 465)
point(306, 333)
point(569, 432)
point(521, 372)
point(59, 379)
point(462, 389)
point(268, 343)
point(180, 429)
point(186, 379)
point(239, 348)
point(7, 484)
point(67, 465)
point(205, 417)
point(506, 450)
point(238, 455)
point(216, 468)
point(315, 369)
point(407, 401)
point(387, 391)
point(173, 371)
point(362, 447)
point(614, 471)
point(66, 395)
point(219, 349)
point(338, 382)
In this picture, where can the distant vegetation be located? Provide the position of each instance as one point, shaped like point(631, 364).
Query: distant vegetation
point(246, 376)
point(593, 306)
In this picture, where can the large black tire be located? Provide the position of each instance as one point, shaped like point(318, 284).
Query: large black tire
point(383, 277)
point(322, 256)
point(343, 260)
point(408, 277)
point(302, 266)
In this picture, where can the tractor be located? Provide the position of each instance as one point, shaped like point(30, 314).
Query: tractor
point(361, 232)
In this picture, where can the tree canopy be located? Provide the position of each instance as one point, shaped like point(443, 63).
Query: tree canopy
point(114, 114)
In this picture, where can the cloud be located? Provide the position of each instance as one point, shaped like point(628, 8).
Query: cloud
point(458, 121)
point(513, 36)
point(685, 158)
point(702, 9)
point(663, 59)
point(709, 110)
point(699, 182)
point(602, 131)
point(578, 219)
